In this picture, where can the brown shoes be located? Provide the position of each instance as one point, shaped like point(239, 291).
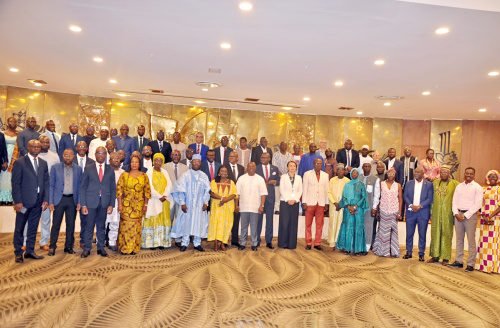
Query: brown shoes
point(45, 247)
point(433, 260)
point(445, 262)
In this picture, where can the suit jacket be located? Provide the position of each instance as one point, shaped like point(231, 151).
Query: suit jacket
point(52, 144)
point(287, 190)
point(91, 187)
point(128, 146)
point(25, 181)
point(342, 157)
point(400, 170)
point(315, 192)
point(181, 169)
point(23, 138)
point(66, 142)
point(426, 198)
point(226, 155)
point(4, 157)
point(257, 152)
point(145, 142)
point(273, 175)
point(88, 161)
point(57, 183)
point(166, 150)
point(206, 168)
point(203, 151)
point(240, 168)
point(185, 162)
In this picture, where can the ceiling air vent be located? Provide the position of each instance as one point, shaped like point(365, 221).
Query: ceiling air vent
point(208, 84)
point(389, 98)
point(346, 108)
point(156, 91)
point(252, 99)
point(214, 70)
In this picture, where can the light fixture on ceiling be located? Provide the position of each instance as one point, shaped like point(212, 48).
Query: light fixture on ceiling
point(208, 84)
point(386, 98)
point(204, 89)
point(15, 70)
point(119, 104)
point(339, 83)
point(286, 107)
point(199, 102)
point(359, 113)
point(112, 81)
point(98, 59)
point(493, 73)
point(426, 93)
point(225, 45)
point(75, 28)
point(306, 99)
point(442, 30)
point(482, 110)
point(38, 83)
point(122, 94)
point(380, 62)
point(387, 104)
point(246, 6)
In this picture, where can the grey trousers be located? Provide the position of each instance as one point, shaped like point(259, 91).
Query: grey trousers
point(467, 226)
point(247, 218)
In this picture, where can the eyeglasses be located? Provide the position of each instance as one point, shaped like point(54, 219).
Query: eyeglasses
point(31, 121)
point(100, 152)
point(81, 147)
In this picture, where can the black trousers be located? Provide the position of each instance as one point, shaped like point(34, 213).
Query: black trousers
point(65, 207)
point(288, 225)
point(96, 218)
point(269, 211)
point(32, 218)
point(235, 229)
point(83, 224)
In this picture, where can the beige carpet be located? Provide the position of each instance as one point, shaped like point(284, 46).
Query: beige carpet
point(267, 288)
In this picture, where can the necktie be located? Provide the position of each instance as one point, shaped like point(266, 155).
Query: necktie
point(234, 172)
point(55, 142)
point(175, 171)
point(348, 158)
point(140, 143)
point(36, 165)
point(161, 145)
point(318, 175)
point(223, 155)
point(267, 173)
point(211, 171)
point(81, 163)
point(198, 149)
point(101, 173)
point(73, 139)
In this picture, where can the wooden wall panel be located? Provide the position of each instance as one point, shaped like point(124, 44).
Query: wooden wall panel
point(417, 135)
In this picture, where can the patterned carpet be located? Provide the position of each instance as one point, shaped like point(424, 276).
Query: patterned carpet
point(267, 288)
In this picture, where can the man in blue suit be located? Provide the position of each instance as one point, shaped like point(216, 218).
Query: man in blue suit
point(419, 193)
point(30, 192)
point(124, 142)
point(97, 199)
point(64, 199)
point(210, 167)
point(199, 147)
point(69, 140)
point(271, 176)
point(140, 141)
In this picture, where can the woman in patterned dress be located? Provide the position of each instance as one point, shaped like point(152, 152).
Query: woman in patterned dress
point(489, 240)
point(431, 167)
point(223, 192)
point(133, 192)
point(13, 154)
point(391, 196)
point(156, 226)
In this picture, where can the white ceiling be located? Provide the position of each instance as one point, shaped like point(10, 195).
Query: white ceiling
point(282, 51)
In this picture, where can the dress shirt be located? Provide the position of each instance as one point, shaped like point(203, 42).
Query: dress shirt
point(103, 167)
point(363, 160)
point(281, 161)
point(73, 138)
point(68, 180)
point(160, 145)
point(250, 189)
point(32, 160)
point(376, 192)
point(82, 161)
point(222, 151)
point(148, 163)
point(94, 144)
point(140, 140)
point(234, 168)
point(467, 197)
point(264, 149)
point(321, 153)
point(390, 163)
point(198, 148)
point(348, 154)
point(417, 191)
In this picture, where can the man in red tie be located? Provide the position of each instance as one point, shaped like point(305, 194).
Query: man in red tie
point(210, 166)
point(199, 147)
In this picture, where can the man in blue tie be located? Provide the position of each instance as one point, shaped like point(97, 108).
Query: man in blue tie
point(69, 140)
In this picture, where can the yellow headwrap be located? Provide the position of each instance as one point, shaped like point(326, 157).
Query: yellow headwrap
point(159, 155)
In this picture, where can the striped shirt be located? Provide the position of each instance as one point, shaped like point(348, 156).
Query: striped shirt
point(281, 161)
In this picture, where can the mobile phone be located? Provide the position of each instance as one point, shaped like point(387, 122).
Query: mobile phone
point(23, 210)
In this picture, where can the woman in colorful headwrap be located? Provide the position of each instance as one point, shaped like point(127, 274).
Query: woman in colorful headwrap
point(156, 226)
point(487, 258)
point(355, 203)
point(12, 155)
point(133, 192)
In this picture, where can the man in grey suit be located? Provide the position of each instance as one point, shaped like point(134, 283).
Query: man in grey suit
point(140, 140)
point(50, 132)
point(97, 198)
point(26, 135)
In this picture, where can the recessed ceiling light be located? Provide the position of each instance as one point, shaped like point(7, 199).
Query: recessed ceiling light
point(122, 94)
point(199, 102)
point(98, 59)
point(225, 45)
point(38, 84)
point(387, 104)
point(204, 89)
point(482, 110)
point(246, 6)
point(493, 73)
point(339, 83)
point(359, 113)
point(307, 98)
point(442, 30)
point(75, 28)
point(379, 62)
point(426, 93)
point(119, 104)
point(15, 70)
point(112, 81)
point(286, 108)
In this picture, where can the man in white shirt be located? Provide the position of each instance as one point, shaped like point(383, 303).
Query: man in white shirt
point(178, 145)
point(467, 200)
point(98, 142)
point(252, 193)
point(315, 201)
point(372, 184)
point(147, 160)
point(364, 158)
point(243, 152)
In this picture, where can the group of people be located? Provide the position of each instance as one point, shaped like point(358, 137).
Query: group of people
point(138, 193)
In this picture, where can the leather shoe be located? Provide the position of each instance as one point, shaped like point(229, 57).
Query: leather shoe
point(69, 251)
point(19, 259)
point(240, 248)
point(407, 256)
point(308, 247)
point(113, 248)
point(102, 252)
point(52, 251)
point(178, 245)
point(433, 260)
point(235, 244)
point(421, 258)
point(469, 268)
point(270, 246)
point(183, 248)
point(45, 247)
point(258, 244)
point(199, 248)
point(85, 254)
point(445, 262)
point(32, 256)
point(254, 248)
point(319, 248)
point(456, 265)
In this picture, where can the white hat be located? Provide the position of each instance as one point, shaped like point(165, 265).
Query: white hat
point(104, 128)
point(365, 147)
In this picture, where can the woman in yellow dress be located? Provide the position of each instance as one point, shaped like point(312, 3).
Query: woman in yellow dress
point(133, 192)
point(223, 192)
point(156, 226)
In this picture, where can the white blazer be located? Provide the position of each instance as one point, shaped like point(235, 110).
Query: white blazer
point(315, 192)
point(287, 192)
point(155, 206)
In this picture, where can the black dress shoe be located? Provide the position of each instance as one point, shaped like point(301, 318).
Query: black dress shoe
point(32, 256)
point(407, 256)
point(270, 246)
point(69, 251)
point(254, 248)
point(102, 252)
point(178, 245)
point(235, 244)
point(456, 265)
point(199, 248)
point(258, 244)
point(319, 248)
point(308, 247)
point(183, 248)
point(241, 247)
point(85, 254)
point(469, 268)
point(52, 251)
point(421, 258)
point(113, 248)
point(19, 259)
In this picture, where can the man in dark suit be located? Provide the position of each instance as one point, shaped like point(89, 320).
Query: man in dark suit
point(234, 171)
point(30, 192)
point(97, 198)
point(26, 135)
point(210, 167)
point(124, 142)
point(140, 140)
point(4, 157)
point(200, 148)
point(348, 156)
point(258, 150)
point(271, 176)
point(69, 140)
point(419, 193)
point(392, 161)
point(222, 152)
point(189, 157)
point(89, 136)
point(64, 200)
point(161, 146)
